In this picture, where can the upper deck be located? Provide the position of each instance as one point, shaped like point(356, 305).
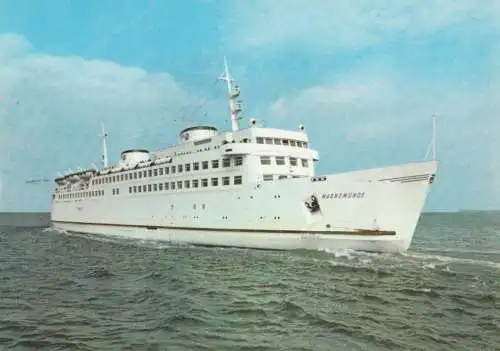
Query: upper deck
point(229, 158)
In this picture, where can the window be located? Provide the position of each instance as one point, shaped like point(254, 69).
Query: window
point(226, 162)
point(293, 161)
point(160, 186)
point(265, 160)
point(167, 170)
point(172, 169)
point(186, 184)
point(260, 140)
point(304, 163)
point(204, 183)
point(215, 181)
point(195, 183)
point(187, 167)
point(304, 144)
point(215, 163)
point(150, 173)
point(238, 161)
point(130, 190)
point(204, 165)
point(282, 177)
point(238, 180)
point(269, 140)
point(179, 184)
point(299, 143)
point(285, 142)
point(155, 172)
point(179, 168)
point(196, 166)
point(160, 171)
point(140, 175)
point(139, 189)
point(155, 187)
point(172, 185)
point(268, 177)
point(292, 142)
point(135, 175)
point(144, 188)
point(280, 160)
point(277, 141)
point(225, 180)
point(166, 186)
point(145, 174)
point(121, 178)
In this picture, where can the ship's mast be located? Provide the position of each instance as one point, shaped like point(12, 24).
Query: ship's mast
point(434, 137)
point(431, 149)
point(235, 107)
point(104, 136)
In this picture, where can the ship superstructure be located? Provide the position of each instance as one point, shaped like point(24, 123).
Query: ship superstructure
point(247, 187)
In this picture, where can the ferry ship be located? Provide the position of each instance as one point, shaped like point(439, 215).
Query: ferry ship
point(250, 187)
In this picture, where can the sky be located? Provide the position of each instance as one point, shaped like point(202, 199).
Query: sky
point(364, 77)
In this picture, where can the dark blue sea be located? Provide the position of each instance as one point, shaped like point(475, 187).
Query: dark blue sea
point(61, 291)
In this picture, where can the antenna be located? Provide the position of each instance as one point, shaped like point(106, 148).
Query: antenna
point(432, 145)
point(235, 107)
point(434, 137)
point(104, 135)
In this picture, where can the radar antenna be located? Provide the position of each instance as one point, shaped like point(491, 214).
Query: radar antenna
point(104, 136)
point(235, 106)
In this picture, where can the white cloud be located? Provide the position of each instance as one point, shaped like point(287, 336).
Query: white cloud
point(374, 119)
point(351, 24)
point(51, 108)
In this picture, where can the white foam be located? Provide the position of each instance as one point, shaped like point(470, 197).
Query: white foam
point(449, 259)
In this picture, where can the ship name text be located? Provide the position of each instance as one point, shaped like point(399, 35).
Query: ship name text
point(350, 195)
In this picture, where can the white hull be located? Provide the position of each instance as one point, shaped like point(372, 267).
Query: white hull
point(372, 210)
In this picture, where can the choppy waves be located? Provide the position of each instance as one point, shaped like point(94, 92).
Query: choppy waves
point(63, 291)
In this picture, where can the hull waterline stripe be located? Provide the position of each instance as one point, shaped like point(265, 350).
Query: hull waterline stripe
point(365, 232)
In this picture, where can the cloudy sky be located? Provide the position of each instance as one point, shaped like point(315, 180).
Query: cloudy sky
point(364, 77)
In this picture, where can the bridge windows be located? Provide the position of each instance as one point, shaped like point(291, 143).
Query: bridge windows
point(280, 160)
point(265, 160)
